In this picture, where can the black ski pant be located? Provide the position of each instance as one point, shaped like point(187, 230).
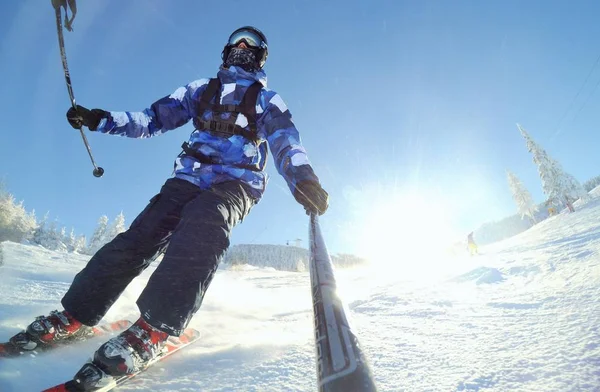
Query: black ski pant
point(195, 224)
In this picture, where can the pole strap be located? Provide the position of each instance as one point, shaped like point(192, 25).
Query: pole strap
point(66, 5)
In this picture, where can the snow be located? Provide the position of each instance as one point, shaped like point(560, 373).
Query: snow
point(522, 316)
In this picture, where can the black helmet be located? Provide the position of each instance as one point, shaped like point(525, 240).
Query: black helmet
point(254, 39)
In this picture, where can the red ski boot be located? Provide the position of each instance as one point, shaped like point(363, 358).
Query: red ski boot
point(54, 329)
point(132, 350)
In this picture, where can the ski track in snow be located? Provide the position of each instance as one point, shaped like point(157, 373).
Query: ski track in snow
point(524, 316)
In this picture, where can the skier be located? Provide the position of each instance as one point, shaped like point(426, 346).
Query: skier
point(550, 205)
point(473, 250)
point(569, 204)
point(218, 177)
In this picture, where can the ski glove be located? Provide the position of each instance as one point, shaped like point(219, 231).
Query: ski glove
point(80, 116)
point(314, 198)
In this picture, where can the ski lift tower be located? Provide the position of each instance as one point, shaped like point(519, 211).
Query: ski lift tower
point(297, 242)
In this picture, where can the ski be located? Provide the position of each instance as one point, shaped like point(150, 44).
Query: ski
point(20, 344)
point(91, 378)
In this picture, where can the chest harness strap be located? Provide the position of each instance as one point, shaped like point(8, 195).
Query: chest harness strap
point(224, 127)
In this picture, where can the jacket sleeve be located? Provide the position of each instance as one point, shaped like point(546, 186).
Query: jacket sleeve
point(284, 141)
point(164, 115)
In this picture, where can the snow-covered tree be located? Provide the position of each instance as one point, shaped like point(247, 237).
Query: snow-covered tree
point(591, 183)
point(50, 237)
point(576, 190)
point(522, 197)
point(573, 190)
point(24, 223)
point(40, 231)
point(105, 233)
point(16, 224)
point(69, 240)
point(116, 227)
point(53, 238)
point(559, 187)
point(80, 244)
point(99, 237)
point(64, 238)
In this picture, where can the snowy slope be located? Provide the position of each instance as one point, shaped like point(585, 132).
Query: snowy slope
point(524, 316)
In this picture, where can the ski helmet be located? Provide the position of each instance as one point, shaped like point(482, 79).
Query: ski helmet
point(253, 38)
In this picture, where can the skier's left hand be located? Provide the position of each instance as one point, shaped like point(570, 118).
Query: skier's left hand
point(80, 116)
point(312, 196)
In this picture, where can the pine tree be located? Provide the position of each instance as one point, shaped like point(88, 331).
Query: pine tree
point(573, 190)
point(558, 186)
point(98, 238)
point(40, 231)
point(70, 240)
point(522, 197)
point(25, 223)
point(80, 244)
point(591, 183)
point(53, 238)
point(6, 214)
point(16, 224)
point(117, 227)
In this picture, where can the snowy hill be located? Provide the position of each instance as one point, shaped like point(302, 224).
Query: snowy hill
point(523, 316)
point(509, 226)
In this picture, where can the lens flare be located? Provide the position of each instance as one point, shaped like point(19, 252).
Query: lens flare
point(402, 234)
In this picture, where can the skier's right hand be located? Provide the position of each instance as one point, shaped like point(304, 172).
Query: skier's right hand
point(80, 116)
point(312, 196)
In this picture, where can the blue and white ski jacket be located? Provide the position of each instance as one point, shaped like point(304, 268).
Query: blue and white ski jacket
point(233, 154)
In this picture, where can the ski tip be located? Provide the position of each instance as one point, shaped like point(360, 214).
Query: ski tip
point(189, 335)
point(58, 388)
point(123, 323)
point(69, 386)
point(112, 327)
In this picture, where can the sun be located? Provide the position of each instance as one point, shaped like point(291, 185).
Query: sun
point(405, 234)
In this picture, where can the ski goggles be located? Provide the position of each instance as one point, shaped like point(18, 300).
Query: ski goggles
point(249, 37)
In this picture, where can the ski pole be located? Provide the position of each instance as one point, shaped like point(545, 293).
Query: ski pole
point(98, 171)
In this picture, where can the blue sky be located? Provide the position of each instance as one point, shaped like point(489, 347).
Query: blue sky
point(396, 101)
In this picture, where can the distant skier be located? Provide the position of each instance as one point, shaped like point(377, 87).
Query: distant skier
point(550, 206)
point(569, 204)
point(218, 177)
point(472, 246)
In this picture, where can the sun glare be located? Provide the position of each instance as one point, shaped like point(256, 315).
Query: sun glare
point(405, 234)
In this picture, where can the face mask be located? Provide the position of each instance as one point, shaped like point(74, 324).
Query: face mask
point(243, 58)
